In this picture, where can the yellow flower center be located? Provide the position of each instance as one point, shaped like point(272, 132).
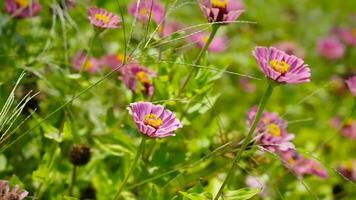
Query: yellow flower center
point(153, 120)
point(102, 17)
point(23, 3)
point(291, 161)
point(143, 77)
point(349, 166)
point(205, 39)
point(349, 122)
point(144, 12)
point(274, 130)
point(279, 66)
point(219, 3)
point(88, 65)
point(354, 32)
point(120, 57)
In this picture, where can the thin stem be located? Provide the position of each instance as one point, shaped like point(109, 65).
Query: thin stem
point(133, 165)
point(74, 176)
point(248, 138)
point(215, 28)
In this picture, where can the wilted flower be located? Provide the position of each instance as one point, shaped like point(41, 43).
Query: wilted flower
point(224, 11)
point(22, 8)
point(349, 129)
point(301, 165)
point(348, 170)
point(154, 120)
point(347, 35)
point(330, 48)
point(291, 48)
point(138, 78)
point(103, 19)
point(271, 131)
point(15, 194)
point(351, 83)
point(218, 44)
point(147, 9)
point(79, 154)
point(281, 67)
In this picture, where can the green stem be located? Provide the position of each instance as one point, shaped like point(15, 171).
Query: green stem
point(215, 28)
point(248, 138)
point(74, 176)
point(133, 165)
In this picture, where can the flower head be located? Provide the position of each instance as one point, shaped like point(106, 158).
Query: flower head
point(301, 165)
point(144, 10)
point(82, 62)
point(347, 35)
point(22, 8)
point(103, 19)
point(224, 11)
point(281, 67)
point(154, 120)
point(168, 28)
point(138, 78)
point(271, 131)
point(349, 129)
point(15, 194)
point(351, 83)
point(218, 44)
point(115, 60)
point(79, 154)
point(330, 48)
point(348, 170)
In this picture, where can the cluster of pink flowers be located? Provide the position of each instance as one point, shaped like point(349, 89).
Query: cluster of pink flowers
point(333, 46)
point(272, 135)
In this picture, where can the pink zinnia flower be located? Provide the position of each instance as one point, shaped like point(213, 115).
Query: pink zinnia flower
point(348, 170)
point(154, 120)
point(347, 35)
point(22, 8)
point(103, 19)
point(349, 129)
point(138, 78)
point(281, 67)
point(330, 48)
point(82, 62)
point(291, 48)
point(147, 9)
point(351, 83)
point(271, 131)
point(115, 60)
point(218, 44)
point(225, 11)
point(15, 194)
point(301, 165)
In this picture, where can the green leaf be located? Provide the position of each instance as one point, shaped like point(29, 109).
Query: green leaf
point(50, 131)
point(241, 194)
point(197, 196)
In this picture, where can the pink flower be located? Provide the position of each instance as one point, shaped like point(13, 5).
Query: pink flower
point(347, 35)
point(138, 78)
point(281, 67)
point(154, 120)
point(330, 48)
point(22, 8)
point(257, 182)
point(301, 165)
point(147, 9)
point(169, 28)
point(115, 60)
point(225, 11)
point(103, 19)
point(5, 192)
point(348, 170)
point(351, 83)
point(247, 85)
point(291, 48)
point(82, 62)
point(349, 129)
point(218, 44)
point(271, 131)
